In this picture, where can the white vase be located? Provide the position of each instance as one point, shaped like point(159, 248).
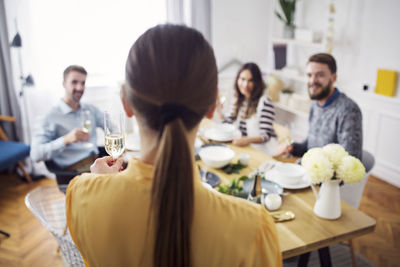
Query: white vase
point(327, 205)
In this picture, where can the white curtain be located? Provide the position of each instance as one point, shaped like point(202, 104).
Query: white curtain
point(8, 99)
point(193, 13)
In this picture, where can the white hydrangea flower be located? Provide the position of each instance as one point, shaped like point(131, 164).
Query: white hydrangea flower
point(317, 165)
point(316, 151)
point(335, 153)
point(350, 170)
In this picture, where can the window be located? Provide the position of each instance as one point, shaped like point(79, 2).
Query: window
point(92, 33)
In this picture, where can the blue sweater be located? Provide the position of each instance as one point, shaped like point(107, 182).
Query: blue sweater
point(338, 121)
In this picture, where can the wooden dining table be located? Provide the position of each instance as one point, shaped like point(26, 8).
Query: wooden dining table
point(307, 232)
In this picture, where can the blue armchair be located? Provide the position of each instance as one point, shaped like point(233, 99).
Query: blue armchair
point(11, 153)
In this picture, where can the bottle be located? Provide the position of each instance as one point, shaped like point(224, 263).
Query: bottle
point(256, 190)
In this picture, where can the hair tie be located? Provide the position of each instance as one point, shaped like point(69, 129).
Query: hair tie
point(169, 112)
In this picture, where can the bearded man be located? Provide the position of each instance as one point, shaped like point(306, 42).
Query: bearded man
point(334, 118)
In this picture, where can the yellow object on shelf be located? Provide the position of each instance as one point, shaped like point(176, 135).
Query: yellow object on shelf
point(386, 82)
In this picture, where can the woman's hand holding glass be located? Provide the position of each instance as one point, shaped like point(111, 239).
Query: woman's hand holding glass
point(114, 143)
point(107, 165)
point(114, 131)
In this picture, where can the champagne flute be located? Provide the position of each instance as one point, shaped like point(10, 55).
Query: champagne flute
point(86, 120)
point(114, 131)
point(86, 125)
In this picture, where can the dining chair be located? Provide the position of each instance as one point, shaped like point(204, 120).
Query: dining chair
point(12, 152)
point(63, 177)
point(48, 205)
point(352, 193)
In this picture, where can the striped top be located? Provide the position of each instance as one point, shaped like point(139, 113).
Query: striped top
point(265, 115)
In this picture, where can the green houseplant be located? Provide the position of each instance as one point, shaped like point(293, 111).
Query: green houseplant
point(288, 8)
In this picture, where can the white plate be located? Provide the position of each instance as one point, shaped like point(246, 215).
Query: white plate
point(214, 134)
point(273, 176)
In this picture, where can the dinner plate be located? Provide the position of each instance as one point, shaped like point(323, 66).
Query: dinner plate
point(269, 186)
point(273, 176)
point(216, 135)
point(212, 178)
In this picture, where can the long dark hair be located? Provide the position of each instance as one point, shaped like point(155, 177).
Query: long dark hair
point(172, 66)
point(257, 92)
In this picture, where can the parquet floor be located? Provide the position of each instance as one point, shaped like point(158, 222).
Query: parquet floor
point(31, 244)
point(381, 201)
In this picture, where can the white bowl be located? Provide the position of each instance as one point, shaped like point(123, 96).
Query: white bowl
point(216, 156)
point(289, 173)
point(225, 128)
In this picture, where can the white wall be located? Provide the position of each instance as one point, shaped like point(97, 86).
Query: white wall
point(366, 38)
point(240, 30)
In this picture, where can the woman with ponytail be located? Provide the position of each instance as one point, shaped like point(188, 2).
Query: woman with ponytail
point(156, 212)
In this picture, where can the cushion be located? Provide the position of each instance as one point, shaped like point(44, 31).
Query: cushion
point(11, 152)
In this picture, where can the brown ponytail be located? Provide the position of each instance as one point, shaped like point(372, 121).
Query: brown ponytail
point(174, 66)
point(173, 197)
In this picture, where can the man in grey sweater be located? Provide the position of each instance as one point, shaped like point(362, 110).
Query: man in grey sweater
point(334, 118)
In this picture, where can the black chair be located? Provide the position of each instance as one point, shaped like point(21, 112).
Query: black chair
point(65, 176)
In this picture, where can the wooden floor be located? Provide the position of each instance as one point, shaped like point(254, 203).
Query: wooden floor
point(381, 201)
point(31, 244)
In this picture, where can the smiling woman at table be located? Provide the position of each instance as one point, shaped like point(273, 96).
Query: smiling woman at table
point(253, 110)
point(156, 212)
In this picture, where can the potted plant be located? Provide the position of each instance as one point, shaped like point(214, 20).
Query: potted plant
point(288, 8)
point(285, 95)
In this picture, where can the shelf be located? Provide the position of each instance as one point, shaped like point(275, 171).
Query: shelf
point(299, 42)
point(291, 76)
point(291, 110)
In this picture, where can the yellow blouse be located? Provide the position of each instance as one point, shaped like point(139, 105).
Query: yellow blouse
point(107, 217)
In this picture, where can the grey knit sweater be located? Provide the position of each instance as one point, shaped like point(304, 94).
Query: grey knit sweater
point(339, 122)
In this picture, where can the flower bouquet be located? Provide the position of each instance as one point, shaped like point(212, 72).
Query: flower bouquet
point(330, 165)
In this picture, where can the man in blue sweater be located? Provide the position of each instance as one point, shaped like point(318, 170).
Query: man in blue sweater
point(334, 118)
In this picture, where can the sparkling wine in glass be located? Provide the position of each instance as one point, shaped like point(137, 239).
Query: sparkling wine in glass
point(86, 121)
point(114, 132)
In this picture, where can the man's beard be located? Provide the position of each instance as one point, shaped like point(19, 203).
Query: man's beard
point(76, 96)
point(323, 93)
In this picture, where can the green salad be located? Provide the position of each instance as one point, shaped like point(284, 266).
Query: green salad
point(233, 168)
point(234, 187)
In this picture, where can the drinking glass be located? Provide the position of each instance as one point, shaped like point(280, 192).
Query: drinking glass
point(114, 131)
point(86, 120)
